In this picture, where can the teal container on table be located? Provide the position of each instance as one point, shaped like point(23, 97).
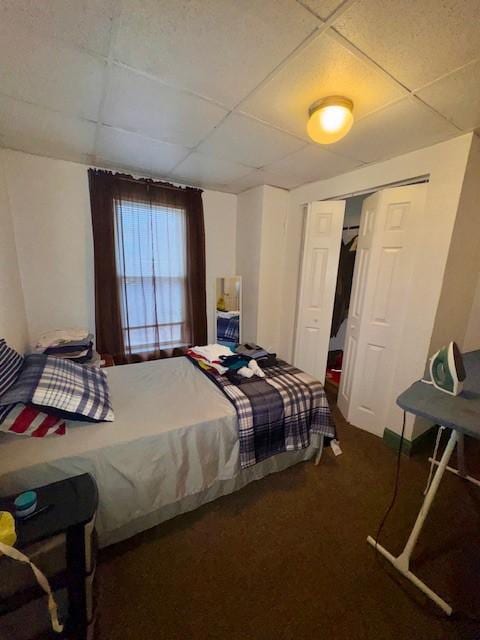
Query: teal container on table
point(25, 504)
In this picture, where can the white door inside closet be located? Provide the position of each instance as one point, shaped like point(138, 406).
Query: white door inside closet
point(321, 252)
point(382, 279)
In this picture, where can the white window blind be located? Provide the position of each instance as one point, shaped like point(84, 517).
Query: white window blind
point(151, 268)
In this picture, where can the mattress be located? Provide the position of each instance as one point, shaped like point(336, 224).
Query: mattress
point(173, 446)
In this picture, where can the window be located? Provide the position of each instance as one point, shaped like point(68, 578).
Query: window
point(149, 250)
point(151, 264)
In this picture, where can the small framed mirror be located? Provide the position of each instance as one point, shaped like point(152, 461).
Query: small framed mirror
point(228, 310)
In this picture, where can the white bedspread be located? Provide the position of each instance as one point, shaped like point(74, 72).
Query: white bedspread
point(172, 447)
point(174, 435)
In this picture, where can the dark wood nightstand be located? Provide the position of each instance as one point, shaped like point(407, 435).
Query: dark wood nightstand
point(72, 507)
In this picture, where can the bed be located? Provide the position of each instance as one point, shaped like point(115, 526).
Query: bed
point(173, 446)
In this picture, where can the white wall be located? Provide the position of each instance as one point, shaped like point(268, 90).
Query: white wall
point(445, 163)
point(463, 264)
point(261, 227)
point(51, 215)
point(249, 233)
point(50, 208)
point(220, 212)
point(472, 335)
point(13, 321)
point(272, 253)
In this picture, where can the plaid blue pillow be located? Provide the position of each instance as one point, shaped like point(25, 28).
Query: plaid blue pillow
point(11, 363)
point(62, 387)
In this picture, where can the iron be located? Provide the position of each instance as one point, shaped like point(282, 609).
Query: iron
point(447, 371)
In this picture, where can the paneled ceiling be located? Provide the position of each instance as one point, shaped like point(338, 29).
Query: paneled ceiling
point(215, 93)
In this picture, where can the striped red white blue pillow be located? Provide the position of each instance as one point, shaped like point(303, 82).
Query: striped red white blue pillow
point(11, 363)
point(26, 420)
point(22, 419)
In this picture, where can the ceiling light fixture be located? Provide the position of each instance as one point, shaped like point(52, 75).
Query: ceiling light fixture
point(330, 119)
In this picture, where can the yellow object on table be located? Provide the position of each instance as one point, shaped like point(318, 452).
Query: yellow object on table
point(7, 529)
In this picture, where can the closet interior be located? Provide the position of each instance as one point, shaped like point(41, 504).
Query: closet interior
point(343, 291)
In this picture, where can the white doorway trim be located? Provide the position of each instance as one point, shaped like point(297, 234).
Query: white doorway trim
point(370, 190)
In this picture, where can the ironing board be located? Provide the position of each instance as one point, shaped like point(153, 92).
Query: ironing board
point(459, 413)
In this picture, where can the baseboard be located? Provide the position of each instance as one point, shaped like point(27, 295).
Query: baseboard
point(409, 447)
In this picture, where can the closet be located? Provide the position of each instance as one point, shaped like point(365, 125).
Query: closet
point(346, 264)
point(382, 289)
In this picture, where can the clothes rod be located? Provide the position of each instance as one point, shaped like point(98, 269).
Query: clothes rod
point(355, 226)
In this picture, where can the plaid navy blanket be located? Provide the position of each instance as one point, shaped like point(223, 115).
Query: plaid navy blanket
point(66, 388)
point(277, 413)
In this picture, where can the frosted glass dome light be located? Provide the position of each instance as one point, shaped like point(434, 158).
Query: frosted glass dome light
point(330, 119)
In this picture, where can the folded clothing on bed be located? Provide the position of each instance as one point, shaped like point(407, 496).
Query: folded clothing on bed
point(252, 350)
point(234, 361)
point(71, 347)
point(277, 413)
point(63, 344)
point(63, 388)
point(74, 352)
point(209, 356)
point(59, 337)
point(243, 366)
point(257, 353)
point(223, 360)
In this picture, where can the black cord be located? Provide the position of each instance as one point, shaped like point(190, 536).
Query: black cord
point(395, 490)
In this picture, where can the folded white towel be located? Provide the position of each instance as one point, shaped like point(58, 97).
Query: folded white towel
point(212, 352)
point(245, 372)
point(253, 365)
point(58, 336)
point(218, 367)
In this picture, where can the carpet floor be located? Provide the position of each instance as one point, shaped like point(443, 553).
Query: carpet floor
point(286, 558)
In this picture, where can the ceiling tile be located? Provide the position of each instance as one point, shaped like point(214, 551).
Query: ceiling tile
point(397, 129)
point(249, 141)
point(321, 69)
point(309, 164)
point(260, 177)
point(208, 171)
point(50, 74)
point(86, 24)
point(36, 130)
point(284, 181)
point(322, 8)
point(416, 42)
point(457, 96)
point(125, 149)
point(253, 179)
point(218, 48)
point(149, 107)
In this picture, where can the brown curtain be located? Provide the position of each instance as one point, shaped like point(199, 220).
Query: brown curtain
point(149, 248)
